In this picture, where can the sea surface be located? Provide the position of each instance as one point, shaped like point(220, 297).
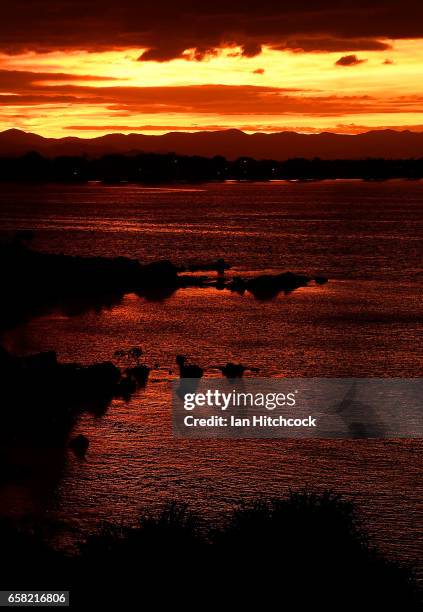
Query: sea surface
point(366, 237)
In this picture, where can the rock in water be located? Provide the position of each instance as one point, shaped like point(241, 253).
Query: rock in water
point(79, 445)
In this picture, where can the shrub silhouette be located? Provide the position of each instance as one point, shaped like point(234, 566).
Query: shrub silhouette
point(304, 552)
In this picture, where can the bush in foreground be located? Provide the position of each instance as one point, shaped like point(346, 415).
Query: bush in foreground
point(302, 552)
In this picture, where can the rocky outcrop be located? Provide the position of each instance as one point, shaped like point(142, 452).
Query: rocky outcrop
point(41, 397)
point(268, 286)
point(79, 444)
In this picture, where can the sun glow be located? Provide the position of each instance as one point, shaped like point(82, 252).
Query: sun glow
point(81, 93)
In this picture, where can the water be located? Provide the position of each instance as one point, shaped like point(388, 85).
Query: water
point(367, 321)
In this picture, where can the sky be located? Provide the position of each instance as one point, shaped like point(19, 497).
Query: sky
point(87, 68)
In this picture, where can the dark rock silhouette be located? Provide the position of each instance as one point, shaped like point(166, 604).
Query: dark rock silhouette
point(35, 283)
point(136, 374)
point(139, 374)
point(238, 285)
point(189, 375)
point(79, 445)
point(41, 397)
point(220, 283)
point(235, 370)
point(188, 370)
point(126, 387)
point(268, 286)
point(320, 280)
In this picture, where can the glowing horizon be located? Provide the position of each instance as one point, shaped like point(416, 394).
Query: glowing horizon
point(88, 94)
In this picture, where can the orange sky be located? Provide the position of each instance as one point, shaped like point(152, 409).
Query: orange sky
point(62, 92)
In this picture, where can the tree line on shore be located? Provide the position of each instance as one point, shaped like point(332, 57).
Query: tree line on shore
point(169, 167)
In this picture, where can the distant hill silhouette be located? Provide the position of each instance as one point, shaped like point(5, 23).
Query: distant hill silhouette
point(228, 143)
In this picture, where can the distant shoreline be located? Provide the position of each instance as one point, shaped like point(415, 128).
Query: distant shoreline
point(155, 168)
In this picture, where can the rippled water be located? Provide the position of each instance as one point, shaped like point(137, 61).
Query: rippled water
point(367, 237)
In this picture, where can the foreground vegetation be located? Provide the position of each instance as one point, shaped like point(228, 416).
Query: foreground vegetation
point(307, 551)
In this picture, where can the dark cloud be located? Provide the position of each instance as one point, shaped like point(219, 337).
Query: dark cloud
point(142, 128)
point(331, 45)
point(22, 79)
point(189, 127)
point(250, 49)
point(349, 60)
point(167, 28)
point(259, 71)
point(224, 100)
point(388, 62)
point(352, 128)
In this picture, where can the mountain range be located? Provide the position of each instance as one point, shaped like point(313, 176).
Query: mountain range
point(231, 144)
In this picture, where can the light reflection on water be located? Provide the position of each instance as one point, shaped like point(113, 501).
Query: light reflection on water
point(367, 321)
